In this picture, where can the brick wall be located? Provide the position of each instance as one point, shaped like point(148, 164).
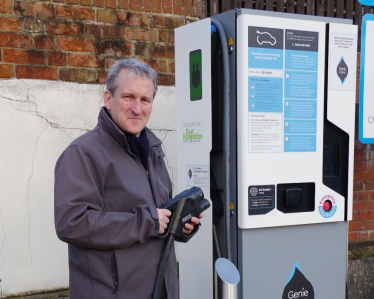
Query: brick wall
point(362, 226)
point(78, 40)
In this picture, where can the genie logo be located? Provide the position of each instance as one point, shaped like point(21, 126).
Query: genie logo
point(297, 285)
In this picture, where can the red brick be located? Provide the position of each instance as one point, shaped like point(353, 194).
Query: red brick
point(103, 31)
point(113, 47)
point(146, 5)
point(99, 3)
point(23, 56)
point(358, 185)
point(56, 27)
point(111, 3)
point(123, 4)
point(59, 1)
point(171, 37)
point(78, 75)
point(178, 7)
point(140, 34)
point(71, 12)
point(369, 185)
point(363, 236)
point(167, 6)
point(44, 42)
point(10, 24)
point(102, 77)
point(371, 195)
point(356, 225)
point(356, 195)
point(352, 237)
point(364, 195)
point(363, 175)
point(187, 7)
point(166, 79)
point(355, 175)
point(56, 58)
point(172, 66)
point(359, 155)
point(371, 215)
point(371, 155)
point(132, 19)
point(369, 205)
point(33, 9)
point(371, 235)
point(354, 216)
point(163, 36)
point(75, 44)
point(135, 4)
point(198, 9)
point(36, 72)
point(6, 71)
point(72, 1)
point(13, 40)
point(105, 16)
point(358, 206)
point(167, 22)
point(142, 49)
point(6, 7)
point(86, 60)
point(156, 6)
point(363, 215)
point(370, 165)
point(163, 66)
point(163, 51)
point(360, 165)
point(369, 225)
point(86, 2)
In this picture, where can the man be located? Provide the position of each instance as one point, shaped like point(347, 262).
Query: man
point(109, 184)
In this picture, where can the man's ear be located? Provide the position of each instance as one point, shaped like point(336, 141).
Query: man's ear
point(107, 99)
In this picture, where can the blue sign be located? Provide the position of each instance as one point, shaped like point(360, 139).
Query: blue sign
point(366, 2)
point(366, 103)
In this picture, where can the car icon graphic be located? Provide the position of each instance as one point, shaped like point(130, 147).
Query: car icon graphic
point(265, 38)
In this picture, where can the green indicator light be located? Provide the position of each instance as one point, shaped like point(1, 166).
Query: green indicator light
point(196, 91)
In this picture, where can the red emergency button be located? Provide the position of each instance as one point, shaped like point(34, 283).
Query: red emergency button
point(327, 205)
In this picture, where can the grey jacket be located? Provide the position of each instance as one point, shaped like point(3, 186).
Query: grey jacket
point(105, 209)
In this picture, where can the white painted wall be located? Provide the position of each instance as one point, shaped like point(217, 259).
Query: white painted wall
point(39, 119)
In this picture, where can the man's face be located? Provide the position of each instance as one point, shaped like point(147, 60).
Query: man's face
point(131, 104)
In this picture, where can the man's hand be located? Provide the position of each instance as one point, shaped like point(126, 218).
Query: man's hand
point(163, 219)
point(188, 227)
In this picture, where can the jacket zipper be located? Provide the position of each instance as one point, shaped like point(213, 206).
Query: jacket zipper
point(114, 271)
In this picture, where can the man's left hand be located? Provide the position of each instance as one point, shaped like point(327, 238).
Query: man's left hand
point(188, 227)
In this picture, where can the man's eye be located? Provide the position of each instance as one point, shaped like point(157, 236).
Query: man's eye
point(146, 101)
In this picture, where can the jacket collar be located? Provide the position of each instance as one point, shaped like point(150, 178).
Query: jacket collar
point(107, 124)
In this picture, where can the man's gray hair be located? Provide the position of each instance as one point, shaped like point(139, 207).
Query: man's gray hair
point(136, 67)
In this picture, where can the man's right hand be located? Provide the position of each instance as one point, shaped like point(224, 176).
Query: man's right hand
point(163, 219)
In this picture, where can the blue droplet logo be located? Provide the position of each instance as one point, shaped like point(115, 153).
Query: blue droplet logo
point(297, 285)
point(342, 70)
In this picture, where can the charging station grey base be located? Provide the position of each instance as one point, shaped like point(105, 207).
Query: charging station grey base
point(267, 257)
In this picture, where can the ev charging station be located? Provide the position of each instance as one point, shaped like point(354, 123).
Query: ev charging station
point(265, 126)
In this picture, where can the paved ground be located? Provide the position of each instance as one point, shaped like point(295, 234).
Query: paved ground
point(63, 294)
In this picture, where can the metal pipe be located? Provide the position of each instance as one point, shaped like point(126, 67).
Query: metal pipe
point(226, 133)
point(227, 279)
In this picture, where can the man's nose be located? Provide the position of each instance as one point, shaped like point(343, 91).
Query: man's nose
point(136, 106)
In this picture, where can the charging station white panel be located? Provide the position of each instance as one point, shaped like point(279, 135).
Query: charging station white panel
point(281, 89)
point(341, 103)
point(194, 141)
